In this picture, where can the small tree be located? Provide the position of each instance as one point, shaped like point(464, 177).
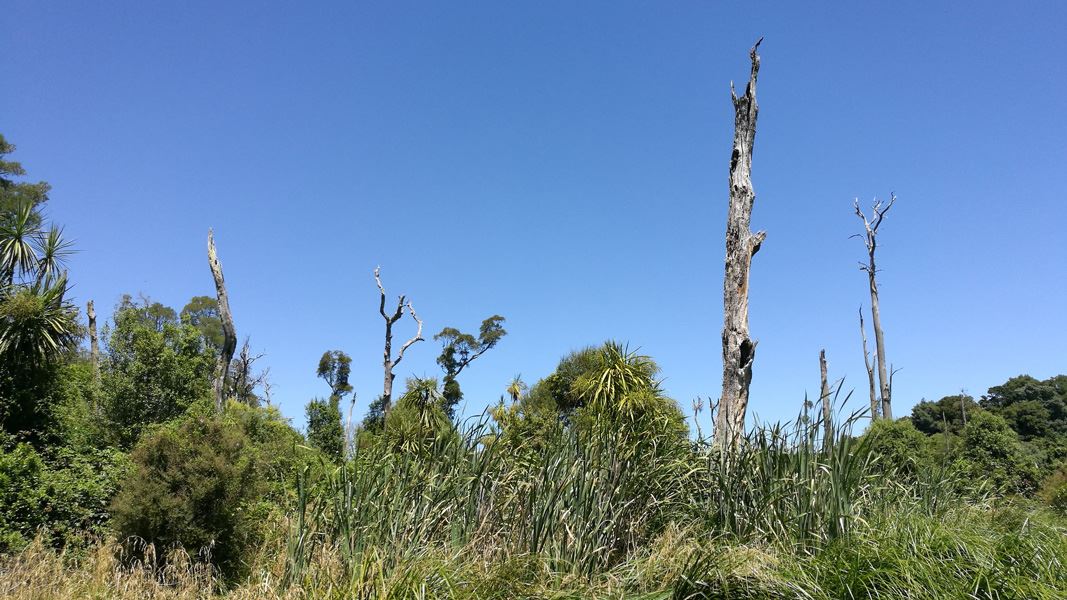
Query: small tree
point(325, 429)
point(461, 349)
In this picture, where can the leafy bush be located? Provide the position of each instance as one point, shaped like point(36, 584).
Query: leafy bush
point(65, 499)
point(324, 429)
point(992, 452)
point(156, 369)
point(188, 487)
point(899, 447)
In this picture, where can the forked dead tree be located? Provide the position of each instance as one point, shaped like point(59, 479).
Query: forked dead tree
point(870, 370)
point(870, 238)
point(94, 341)
point(389, 363)
point(738, 349)
point(229, 343)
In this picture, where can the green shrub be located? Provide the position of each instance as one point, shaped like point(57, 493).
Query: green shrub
point(22, 496)
point(899, 447)
point(992, 452)
point(189, 486)
point(63, 499)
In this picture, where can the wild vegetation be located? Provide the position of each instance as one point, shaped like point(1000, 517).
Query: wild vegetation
point(152, 463)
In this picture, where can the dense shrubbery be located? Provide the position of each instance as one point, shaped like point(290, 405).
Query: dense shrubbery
point(206, 484)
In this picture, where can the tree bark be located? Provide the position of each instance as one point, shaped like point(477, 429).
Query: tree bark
point(229, 343)
point(388, 362)
point(738, 350)
point(870, 370)
point(871, 241)
point(94, 342)
point(824, 398)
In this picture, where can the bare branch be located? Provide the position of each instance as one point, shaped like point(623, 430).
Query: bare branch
point(417, 338)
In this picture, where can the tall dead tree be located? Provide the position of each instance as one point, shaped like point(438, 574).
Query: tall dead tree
point(870, 238)
point(94, 342)
point(738, 350)
point(389, 363)
point(824, 398)
point(229, 343)
point(870, 370)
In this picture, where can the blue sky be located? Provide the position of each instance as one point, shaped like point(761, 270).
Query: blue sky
point(565, 165)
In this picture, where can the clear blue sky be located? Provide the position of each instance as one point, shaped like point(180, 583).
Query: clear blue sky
point(565, 165)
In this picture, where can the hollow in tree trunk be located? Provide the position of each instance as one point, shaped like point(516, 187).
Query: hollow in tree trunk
point(738, 349)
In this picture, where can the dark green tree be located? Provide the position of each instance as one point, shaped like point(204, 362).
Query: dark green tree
point(325, 429)
point(15, 193)
point(334, 368)
point(202, 312)
point(461, 349)
point(156, 368)
point(947, 415)
point(992, 452)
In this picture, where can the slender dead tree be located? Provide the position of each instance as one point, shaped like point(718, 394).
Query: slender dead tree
point(738, 350)
point(824, 398)
point(389, 363)
point(94, 342)
point(870, 370)
point(870, 238)
point(229, 343)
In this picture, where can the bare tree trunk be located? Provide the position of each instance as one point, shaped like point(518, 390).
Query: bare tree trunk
point(738, 350)
point(94, 342)
point(870, 370)
point(388, 362)
point(229, 343)
point(871, 241)
point(824, 397)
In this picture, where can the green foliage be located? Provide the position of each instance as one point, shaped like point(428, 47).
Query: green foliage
point(324, 429)
point(459, 350)
point(1034, 408)
point(900, 448)
point(947, 415)
point(202, 312)
point(14, 193)
point(558, 389)
point(417, 422)
point(63, 499)
point(22, 496)
point(992, 452)
point(334, 368)
point(193, 484)
point(155, 370)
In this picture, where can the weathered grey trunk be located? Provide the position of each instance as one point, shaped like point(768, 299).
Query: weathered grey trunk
point(229, 343)
point(94, 342)
point(824, 398)
point(388, 362)
point(738, 349)
point(879, 348)
point(870, 370)
point(871, 241)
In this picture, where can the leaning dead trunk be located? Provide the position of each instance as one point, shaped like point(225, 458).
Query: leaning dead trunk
point(870, 370)
point(229, 343)
point(871, 240)
point(824, 398)
point(94, 342)
point(738, 350)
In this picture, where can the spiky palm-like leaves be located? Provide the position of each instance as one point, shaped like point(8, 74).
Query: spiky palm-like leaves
point(621, 377)
point(37, 323)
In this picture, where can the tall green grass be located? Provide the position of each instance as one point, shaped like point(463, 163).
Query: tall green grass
point(626, 508)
